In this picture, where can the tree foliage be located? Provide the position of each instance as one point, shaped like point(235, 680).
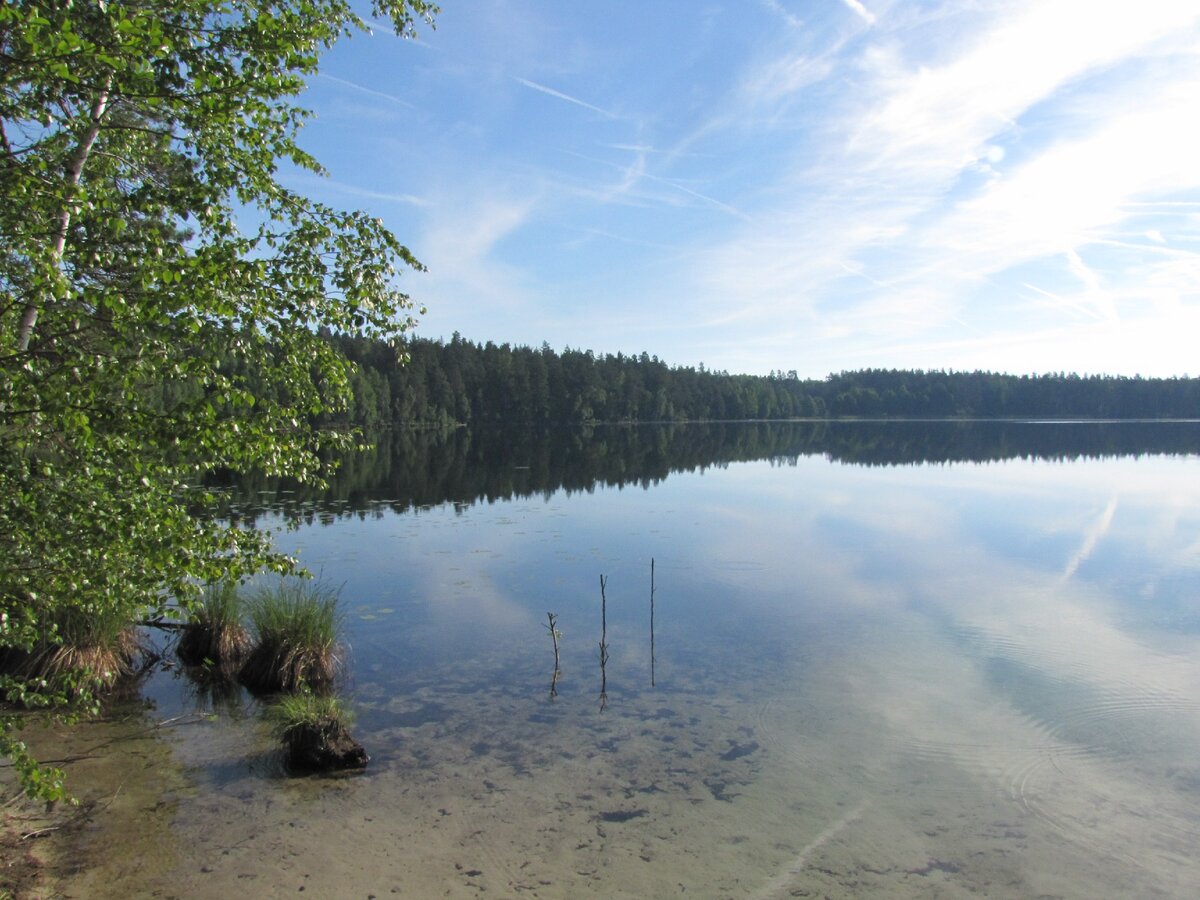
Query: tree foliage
point(462, 382)
point(148, 334)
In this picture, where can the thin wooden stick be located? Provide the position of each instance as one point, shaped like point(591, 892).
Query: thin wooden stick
point(603, 606)
point(603, 643)
point(652, 621)
point(554, 635)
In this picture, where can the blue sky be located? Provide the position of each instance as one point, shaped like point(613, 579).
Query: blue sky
point(815, 185)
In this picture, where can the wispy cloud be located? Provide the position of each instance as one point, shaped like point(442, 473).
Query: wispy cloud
point(1058, 301)
point(635, 174)
point(780, 10)
point(467, 277)
point(783, 78)
point(366, 90)
point(938, 185)
point(549, 91)
point(859, 10)
point(1003, 184)
point(370, 194)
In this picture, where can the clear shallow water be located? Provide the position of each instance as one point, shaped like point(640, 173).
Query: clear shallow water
point(920, 680)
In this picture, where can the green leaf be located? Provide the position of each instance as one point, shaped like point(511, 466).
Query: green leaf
point(145, 342)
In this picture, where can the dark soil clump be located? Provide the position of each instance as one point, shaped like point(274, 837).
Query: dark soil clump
point(323, 746)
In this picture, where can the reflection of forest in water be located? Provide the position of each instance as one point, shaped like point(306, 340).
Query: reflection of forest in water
point(409, 469)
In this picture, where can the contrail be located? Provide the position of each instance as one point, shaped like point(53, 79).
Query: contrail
point(365, 90)
point(533, 85)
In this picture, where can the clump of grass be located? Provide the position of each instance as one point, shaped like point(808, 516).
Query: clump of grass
point(294, 712)
point(82, 648)
point(216, 635)
point(315, 732)
point(296, 626)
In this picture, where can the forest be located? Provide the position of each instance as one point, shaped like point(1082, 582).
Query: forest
point(436, 383)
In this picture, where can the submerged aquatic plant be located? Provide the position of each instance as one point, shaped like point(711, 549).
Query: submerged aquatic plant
point(296, 626)
point(216, 635)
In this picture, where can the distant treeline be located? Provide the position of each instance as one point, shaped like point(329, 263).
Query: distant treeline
point(460, 382)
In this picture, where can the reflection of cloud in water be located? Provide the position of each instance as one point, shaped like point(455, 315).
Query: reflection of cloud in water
point(475, 601)
point(944, 715)
point(1011, 605)
point(871, 682)
point(977, 656)
point(1093, 536)
point(1031, 682)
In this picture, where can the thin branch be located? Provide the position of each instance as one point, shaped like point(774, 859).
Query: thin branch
point(8, 150)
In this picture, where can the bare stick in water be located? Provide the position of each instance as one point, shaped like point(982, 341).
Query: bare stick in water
point(652, 621)
point(603, 643)
point(555, 634)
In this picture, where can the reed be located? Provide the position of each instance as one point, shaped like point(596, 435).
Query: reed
point(555, 634)
point(603, 644)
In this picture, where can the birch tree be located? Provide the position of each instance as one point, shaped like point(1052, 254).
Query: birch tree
point(161, 297)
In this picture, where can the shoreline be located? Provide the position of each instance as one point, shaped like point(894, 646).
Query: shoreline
point(119, 772)
point(31, 845)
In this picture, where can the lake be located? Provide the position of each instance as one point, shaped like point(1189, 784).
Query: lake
point(883, 660)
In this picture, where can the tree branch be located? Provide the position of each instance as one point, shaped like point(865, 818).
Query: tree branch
point(75, 173)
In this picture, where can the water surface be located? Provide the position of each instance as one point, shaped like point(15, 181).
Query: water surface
point(871, 675)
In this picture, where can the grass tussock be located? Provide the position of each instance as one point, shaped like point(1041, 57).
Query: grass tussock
point(217, 636)
point(315, 732)
point(296, 626)
point(82, 649)
point(294, 712)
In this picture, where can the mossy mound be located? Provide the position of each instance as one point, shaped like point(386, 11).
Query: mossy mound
point(323, 747)
point(315, 734)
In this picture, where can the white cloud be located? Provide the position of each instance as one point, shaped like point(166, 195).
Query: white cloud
point(351, 190)
point(935, 119)
point(464, 270)
point(782, 78)
point(856, 7)
point(914, 203)
point(780, 10)
point(1001, 183)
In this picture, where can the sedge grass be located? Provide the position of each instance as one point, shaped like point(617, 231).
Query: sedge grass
point(293, 712)
point(296, 625)
point(216, 635)
point(315, 732)
point(83, 649)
